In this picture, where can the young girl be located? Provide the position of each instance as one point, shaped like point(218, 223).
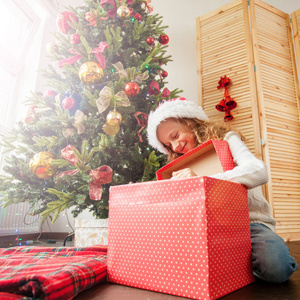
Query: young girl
point(179, 125)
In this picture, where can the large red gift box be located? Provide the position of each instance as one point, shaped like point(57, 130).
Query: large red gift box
point(186, 237)
point(209, 158)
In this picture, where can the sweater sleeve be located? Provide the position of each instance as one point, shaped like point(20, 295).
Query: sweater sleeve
point(249, 170)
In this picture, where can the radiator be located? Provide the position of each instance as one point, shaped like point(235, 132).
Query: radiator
point(14, 220)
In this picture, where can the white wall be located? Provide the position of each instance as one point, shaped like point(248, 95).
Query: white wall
point(180, 16)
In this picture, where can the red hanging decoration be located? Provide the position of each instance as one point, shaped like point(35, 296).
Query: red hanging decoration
point(227, 103)
point(163, 39)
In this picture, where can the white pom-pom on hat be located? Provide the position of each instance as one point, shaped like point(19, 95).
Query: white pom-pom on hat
point(174, 108)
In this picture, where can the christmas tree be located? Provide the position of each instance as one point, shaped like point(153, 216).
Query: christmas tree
point(88, 131)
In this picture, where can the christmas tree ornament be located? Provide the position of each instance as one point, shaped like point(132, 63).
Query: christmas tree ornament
point(90, 17)
point(142, 120)
point(138, 17)
point(68, 103)
point(164, 74)
point(49, 96)
point(99, 176)
point(71, 102)
point(163, 39)
point(51, 48)
point(63, 20)
point(147, 6)
point(75, 38)
point(165, 93)
point(110, 129)
point(91, 72)
point(153, 88)
point(150, 41)
point(79, 119)
point(123, 12)
point(31, 116)
point(70, 60)
point(131, 89)
point(40, 165)
point(99, 55)
point(113, 118)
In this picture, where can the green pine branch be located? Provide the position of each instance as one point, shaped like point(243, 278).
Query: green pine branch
point(54, 208)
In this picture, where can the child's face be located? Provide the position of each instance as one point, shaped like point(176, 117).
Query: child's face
point(176, 136)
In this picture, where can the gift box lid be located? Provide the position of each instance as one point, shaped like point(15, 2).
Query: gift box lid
point(209, 158)
point(91, 223)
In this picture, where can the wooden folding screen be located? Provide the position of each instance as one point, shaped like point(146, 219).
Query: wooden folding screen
point(295, 16)
point(251, 43)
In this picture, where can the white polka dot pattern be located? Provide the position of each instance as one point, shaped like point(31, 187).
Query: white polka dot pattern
point(222, 150)
point(186, 237)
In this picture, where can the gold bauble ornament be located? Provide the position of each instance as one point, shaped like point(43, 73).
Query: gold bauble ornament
point(111, 129)
point(52, 48)
point(91, 72)
point(123, 12)
point(40, 165)
point(113, 118)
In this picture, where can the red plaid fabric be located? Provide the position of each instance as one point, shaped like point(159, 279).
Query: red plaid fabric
point(50, 273)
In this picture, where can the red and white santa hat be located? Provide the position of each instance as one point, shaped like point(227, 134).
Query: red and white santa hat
point(174, 108)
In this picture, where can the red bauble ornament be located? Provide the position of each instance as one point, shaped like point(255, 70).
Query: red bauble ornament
point(164, 74)
point(63, 19)
point(68, 103)
point(49, 95)
point(131, 89)
point(150, 41)
point(75, 38)
point(163, 39)
point(138, 16)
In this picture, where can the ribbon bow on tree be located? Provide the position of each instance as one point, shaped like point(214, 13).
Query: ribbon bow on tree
point(227, 103)
point(148, 7)
point(101, 175)
point(97, 51)
point(142, 120)
point(105, 97)
point(79, 117)
point(139, 78)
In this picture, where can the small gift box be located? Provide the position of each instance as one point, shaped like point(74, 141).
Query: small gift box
point(89, 232)
point(186, 237)
point(207, 159)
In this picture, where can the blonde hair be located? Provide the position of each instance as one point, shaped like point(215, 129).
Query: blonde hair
point(203, 131)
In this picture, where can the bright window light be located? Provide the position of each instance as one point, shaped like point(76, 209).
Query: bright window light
point(7, 82)
point(14, 27)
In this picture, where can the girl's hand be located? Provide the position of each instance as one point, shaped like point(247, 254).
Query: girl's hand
point(184, 173)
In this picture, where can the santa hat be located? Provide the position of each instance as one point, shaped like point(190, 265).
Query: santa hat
point(174, 108)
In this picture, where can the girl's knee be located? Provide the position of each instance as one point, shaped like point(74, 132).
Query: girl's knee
point(275, 271)
point(271, 257)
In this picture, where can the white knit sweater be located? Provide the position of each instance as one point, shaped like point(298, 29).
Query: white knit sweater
point(252, 173)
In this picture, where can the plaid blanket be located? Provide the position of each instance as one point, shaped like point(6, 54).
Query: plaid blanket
point(50, 273)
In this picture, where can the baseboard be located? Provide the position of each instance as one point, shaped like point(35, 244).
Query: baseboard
point(28, 238)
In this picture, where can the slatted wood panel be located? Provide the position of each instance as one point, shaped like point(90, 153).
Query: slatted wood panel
point(224, 48)
point(268, 98)
point(295, 16)
point(277, 87)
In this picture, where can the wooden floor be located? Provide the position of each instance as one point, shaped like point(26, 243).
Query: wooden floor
point(259, 290)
